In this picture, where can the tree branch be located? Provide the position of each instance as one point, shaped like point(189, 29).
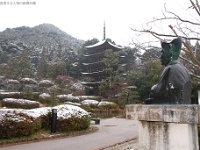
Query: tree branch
point(164, 35)
point(195, 6)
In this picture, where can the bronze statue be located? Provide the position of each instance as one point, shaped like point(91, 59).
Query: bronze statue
point(174, 85)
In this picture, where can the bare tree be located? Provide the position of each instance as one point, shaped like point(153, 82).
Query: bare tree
point(188, 28)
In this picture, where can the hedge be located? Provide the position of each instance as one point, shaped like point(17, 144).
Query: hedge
point(19, 103)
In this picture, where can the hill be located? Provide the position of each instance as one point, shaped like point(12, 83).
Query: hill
point(36, 38)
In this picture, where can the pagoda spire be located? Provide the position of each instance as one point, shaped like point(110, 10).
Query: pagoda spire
point(104, 31)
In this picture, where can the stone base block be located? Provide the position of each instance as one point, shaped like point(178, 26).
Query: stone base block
point(167, 136)
point(166, 127)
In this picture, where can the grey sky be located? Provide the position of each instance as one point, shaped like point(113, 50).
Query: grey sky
point(83, 19)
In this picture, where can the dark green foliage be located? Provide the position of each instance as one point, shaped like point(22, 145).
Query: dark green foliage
point(145, 78)
point(24, 67)
point(56, 68)
point(130, 57)
point(111, 85)
point(90, 42)
point(73, 124)
point(10, 95)
point(42, 66)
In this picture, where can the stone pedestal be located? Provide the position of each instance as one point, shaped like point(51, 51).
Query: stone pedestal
point(166, 127)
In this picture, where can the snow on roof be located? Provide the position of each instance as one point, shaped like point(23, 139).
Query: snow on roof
point(97, 54)
point(102, 42)
point(85, 83)
point(98, 62)
point(87, 73)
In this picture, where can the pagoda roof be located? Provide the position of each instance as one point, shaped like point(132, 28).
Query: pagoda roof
point(90, 83)
point(95, 54)
point(104, 43)
point(94, 63)
point(92, 73)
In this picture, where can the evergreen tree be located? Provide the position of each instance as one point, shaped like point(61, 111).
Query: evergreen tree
point(10, 67)
point(111, 61)
point(112, 84)
point(24, 67)
point(42, 65)
point(56, 68)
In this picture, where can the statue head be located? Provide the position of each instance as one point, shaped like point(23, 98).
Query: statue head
point(176, 48)
point(166, 53)
point(170, 51)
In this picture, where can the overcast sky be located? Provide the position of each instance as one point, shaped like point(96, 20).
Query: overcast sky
point(84, 19)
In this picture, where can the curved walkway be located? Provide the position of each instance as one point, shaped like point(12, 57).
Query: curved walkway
point(111, 131)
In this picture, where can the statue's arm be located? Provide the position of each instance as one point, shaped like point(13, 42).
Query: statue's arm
point(161, 85)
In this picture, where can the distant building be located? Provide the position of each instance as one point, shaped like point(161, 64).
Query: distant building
point(94, 66)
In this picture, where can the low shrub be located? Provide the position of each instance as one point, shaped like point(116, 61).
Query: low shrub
point(18, 125)
point(45, 98)
point(21, 122)
point(19, 103)
point(107, 105)
point(73, 124)
point(68, 98)
point(9, 95)
point(30, 95)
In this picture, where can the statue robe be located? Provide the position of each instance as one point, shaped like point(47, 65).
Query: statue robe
point(174, 86)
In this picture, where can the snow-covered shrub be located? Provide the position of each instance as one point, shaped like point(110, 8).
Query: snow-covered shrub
point(106, 104)
point(68, 97)
point(9, 95)
point(21, 122)
point(90, 102)
point(16, 124)
point(19, 103)
point(71, 118)
point(45, 83)
point(44, 98)
point(73, 123)
point(83, 97)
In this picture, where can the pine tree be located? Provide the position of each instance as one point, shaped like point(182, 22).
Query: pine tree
point(42, 65)
point(10, 67)
point(24, 67)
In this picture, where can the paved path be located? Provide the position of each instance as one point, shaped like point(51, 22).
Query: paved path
point(111, 131)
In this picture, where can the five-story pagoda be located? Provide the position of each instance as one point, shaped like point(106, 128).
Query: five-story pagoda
point(94, 66)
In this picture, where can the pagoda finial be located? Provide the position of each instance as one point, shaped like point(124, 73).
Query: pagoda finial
point(104, 31)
